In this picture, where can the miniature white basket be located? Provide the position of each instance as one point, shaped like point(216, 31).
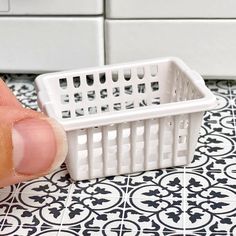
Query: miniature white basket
point(128, 117)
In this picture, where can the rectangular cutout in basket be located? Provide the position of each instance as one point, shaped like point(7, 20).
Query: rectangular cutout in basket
point(128, 117)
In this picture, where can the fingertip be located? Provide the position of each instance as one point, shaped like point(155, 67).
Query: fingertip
point(39, 146)
point(61, 143)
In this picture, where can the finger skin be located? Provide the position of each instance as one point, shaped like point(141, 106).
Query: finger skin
point(7, 98)
point(8, 116)
point(11, 111)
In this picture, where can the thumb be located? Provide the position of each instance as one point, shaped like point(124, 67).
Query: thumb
point(31, 145)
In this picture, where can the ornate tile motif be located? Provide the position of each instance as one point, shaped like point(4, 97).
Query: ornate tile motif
point(219, 86)
point(93, 213)
point(6, 198)
point(210, 198)
point(156, 185)
point(199, 199)
point(148, 216)
point(56, 183)
point(115, 185)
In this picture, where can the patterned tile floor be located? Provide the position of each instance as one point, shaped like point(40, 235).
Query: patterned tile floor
point(199, 199)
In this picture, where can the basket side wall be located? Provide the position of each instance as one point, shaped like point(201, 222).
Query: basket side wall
point(133, 147)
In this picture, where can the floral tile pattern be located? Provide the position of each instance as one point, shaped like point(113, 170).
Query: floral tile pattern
point(198, 199)
point(53, 184)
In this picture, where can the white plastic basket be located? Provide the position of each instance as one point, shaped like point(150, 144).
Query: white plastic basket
point(128, 117)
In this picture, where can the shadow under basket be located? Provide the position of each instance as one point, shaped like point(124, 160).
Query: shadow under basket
point(128, 117)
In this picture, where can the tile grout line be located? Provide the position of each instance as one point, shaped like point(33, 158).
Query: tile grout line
point(64, 212)
point(232, 107)
point(122, 219)
point(5, 217)
point(184, 202)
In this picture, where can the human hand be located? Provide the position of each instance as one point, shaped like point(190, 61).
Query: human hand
point(31, 145)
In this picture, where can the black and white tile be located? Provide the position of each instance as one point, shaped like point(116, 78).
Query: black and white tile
point(199, 199)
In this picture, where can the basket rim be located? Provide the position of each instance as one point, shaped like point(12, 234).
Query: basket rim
point(207, 101)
